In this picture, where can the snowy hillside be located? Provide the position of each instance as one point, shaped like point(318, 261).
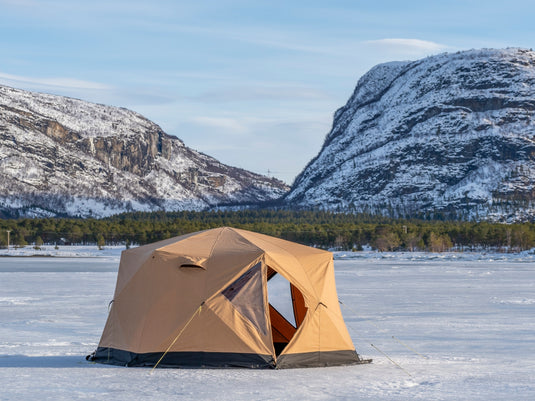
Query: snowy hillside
point(452, 134)
point(63, 156)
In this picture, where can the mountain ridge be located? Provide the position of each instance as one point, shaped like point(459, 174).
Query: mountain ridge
point(62, 156)
point(449, 135)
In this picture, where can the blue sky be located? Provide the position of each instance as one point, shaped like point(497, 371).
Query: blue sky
point(252, 83)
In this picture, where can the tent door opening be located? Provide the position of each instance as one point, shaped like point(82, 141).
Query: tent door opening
point(286, 309)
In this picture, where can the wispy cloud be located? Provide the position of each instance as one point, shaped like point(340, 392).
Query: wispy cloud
point(91, 91)
point(408, 45)
point(18, 3)
point(262, 93)
point(263, 143)
point(52, 83)
point(230, 125)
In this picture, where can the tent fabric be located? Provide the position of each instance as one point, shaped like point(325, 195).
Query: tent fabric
point(202, 300)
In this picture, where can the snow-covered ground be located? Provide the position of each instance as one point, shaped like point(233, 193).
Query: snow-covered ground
point(460, 326)
point(66, 251)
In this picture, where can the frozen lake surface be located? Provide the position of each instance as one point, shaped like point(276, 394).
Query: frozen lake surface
point(459, 326)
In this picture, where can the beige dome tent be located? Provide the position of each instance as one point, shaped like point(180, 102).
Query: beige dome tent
point(201, 300)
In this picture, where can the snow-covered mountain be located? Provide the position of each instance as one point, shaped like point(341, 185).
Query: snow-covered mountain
point(63, 156)
point(452, 134)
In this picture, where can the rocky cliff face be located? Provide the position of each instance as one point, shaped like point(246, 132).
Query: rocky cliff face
point(450, 135)
point(62, 156)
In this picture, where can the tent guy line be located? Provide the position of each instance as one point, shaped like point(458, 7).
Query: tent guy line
point(379, 328)
point(198, 311)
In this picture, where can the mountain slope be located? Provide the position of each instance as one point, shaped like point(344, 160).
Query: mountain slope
point(63, 156)
point(449, 135)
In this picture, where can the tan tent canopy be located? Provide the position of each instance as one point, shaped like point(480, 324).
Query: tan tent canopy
point(202, 300)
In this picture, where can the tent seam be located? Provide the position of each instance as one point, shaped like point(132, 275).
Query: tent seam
point(288, 253)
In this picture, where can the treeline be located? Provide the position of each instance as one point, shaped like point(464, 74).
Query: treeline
point(315, 228)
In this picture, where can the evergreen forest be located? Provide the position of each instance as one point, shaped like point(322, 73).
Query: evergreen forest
point(315, 228)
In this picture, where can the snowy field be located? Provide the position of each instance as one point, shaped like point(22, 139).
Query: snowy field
point(458, 326)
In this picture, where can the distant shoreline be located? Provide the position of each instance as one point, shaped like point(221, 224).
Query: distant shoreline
point(54, 256)
point(30, 256)
point(114, 252)
point(63, 251)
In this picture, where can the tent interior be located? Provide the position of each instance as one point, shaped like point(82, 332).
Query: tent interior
point(286, 309)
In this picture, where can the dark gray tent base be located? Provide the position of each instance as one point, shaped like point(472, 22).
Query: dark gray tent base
point(119, 357)
point(320, 359)
point(114, 356)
